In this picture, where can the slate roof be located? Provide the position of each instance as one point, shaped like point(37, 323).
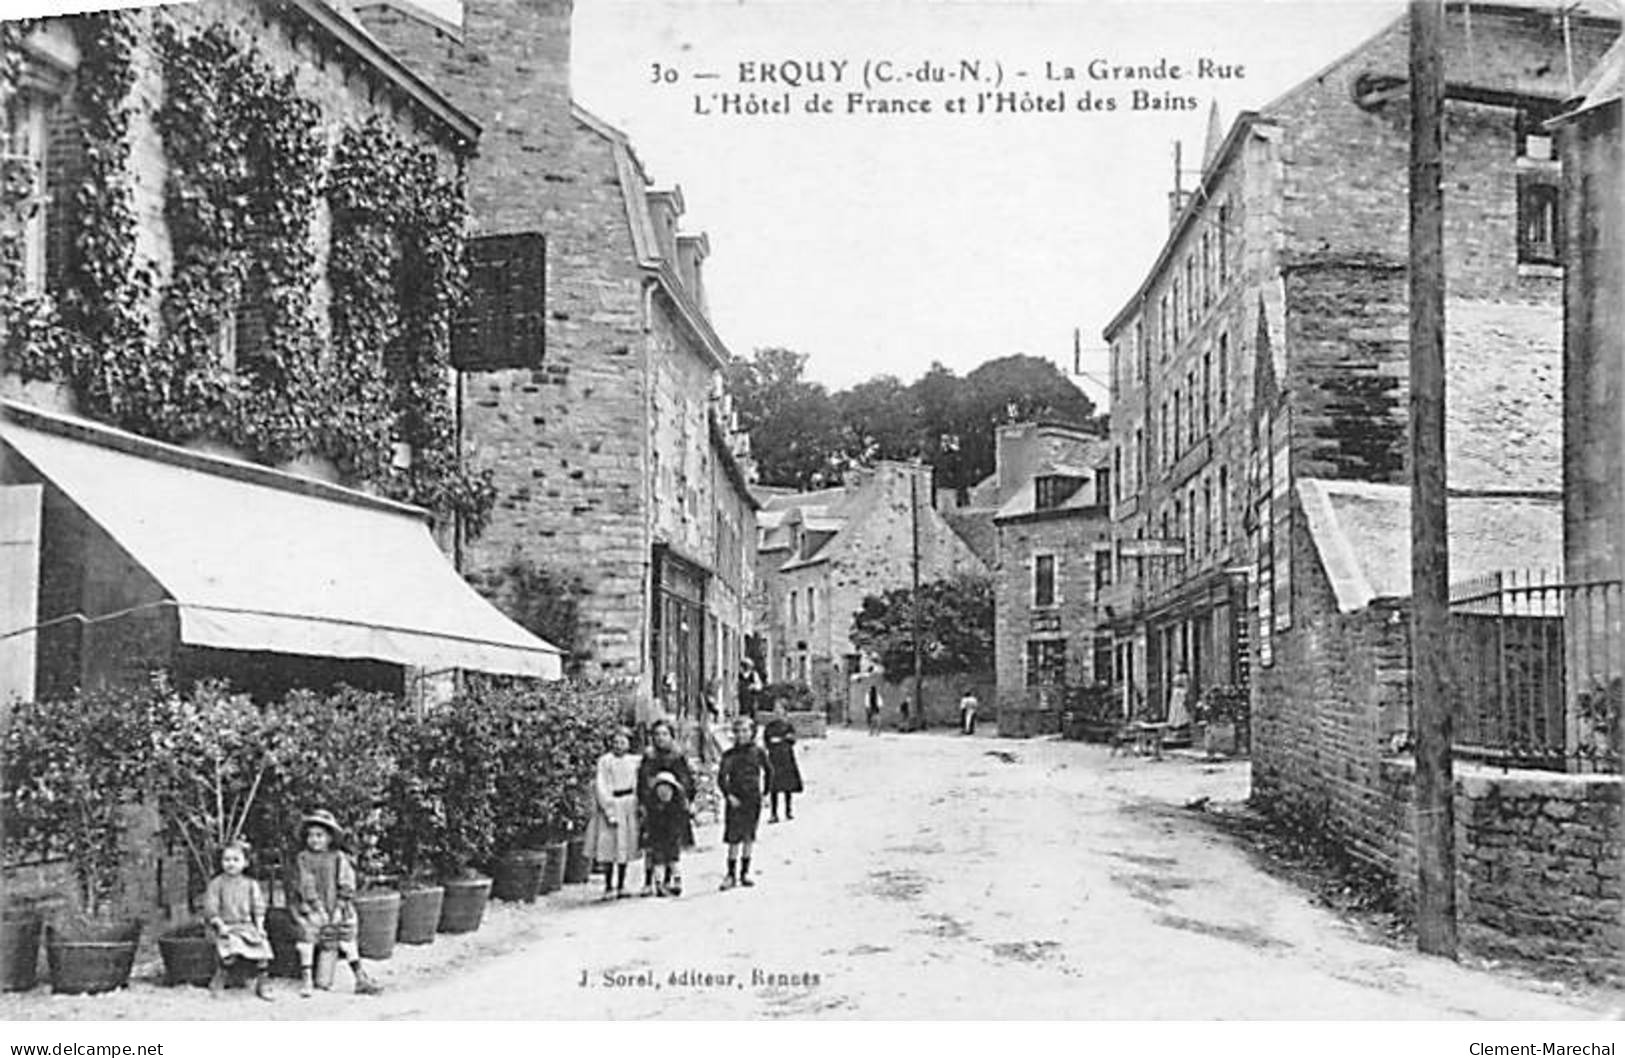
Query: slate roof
point(1504, 396)
point(1603, 85)
point(1362, 533)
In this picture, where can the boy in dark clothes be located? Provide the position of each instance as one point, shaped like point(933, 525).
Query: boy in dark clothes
point(742, 776)
point(665, 826)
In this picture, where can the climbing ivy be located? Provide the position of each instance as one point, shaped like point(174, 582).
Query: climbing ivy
point(249, 167)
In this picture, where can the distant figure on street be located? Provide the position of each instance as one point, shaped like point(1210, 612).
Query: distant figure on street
point(1179, 714)
point(873, 710)
point(780, 738)
point(750, 687)
point(967, 712)
point(741, 777)
point(903, 710)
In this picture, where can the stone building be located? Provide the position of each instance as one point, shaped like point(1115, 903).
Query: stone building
point(204, 446)
point(1268, 342)
point(821, 553)
point(606, 428)
point(1053, 561)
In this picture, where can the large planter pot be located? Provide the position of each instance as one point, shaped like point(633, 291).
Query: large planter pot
point(282, 933)
point(518, 875)
point(189, 956)
point(89, 961)
point(1219, 739)
point(420, 914)
point(464, 905)
point(378, 920)
point(553, 869)
point(19, 949)
point(577, 865)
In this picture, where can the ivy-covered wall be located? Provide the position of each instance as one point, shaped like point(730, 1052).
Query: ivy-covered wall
point(265, 251)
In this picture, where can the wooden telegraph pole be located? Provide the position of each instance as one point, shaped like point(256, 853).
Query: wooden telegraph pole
point(1430, 551)
point(914, 527)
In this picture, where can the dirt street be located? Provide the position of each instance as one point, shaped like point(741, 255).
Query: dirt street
point(933, 876)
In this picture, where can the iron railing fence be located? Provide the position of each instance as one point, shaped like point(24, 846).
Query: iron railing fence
point(1537, 667)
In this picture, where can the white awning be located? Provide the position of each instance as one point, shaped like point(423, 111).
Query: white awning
point(259, 560)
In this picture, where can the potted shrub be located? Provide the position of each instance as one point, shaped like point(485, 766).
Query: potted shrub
point(332, 751)
point(1220, 710)
point(212, 762)
point(78, 778)
point(441, 819)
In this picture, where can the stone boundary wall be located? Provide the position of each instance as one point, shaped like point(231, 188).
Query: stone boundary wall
point(1539, 863)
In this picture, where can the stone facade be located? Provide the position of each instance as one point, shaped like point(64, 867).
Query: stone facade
point(603, 453)
point(80, 569)
point(843, 545)
point(1053, 561)
point(1287, 259)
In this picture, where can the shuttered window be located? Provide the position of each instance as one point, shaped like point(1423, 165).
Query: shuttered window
point(503, 324)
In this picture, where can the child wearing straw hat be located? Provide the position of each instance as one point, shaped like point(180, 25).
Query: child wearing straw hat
point(321, 895)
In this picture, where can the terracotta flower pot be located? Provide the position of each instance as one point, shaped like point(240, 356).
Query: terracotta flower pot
point(378, 920)
point(577, 865)
point(19, 949)
point(518, 875)
point(553, 869)
point(90, 961)
point(420, 913)
point(189, 956)
point(464, 906)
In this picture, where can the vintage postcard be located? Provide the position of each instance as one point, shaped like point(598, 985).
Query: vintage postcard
point(835, 511)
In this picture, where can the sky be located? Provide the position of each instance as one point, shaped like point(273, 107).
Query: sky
point(878, 243)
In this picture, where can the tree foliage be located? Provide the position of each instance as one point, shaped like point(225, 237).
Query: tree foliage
point(803, 437)
point(956, 627)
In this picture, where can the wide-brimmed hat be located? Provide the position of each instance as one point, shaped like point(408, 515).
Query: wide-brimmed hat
point(322, 818)
point(670, 779)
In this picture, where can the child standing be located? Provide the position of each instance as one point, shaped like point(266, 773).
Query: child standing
point(612, 833)
point(234, 909)
point(742, 776)
point(665, 824)
point(322, 899)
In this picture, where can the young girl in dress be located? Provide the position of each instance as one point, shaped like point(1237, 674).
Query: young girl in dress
point(612, 833)
point(321, 895)
point(234, 910)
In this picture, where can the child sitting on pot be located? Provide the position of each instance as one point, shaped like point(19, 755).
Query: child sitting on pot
point(321, 896)
point(665, 827)
point(234, 910)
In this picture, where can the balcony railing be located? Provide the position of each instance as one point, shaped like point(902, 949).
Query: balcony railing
point(1537, 668)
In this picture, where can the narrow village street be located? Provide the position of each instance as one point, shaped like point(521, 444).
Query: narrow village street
point(933, 876)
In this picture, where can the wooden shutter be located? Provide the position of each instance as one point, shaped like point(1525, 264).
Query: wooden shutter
point(503, 324)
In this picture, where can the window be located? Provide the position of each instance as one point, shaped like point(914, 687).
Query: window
point(1178, 423)
point(503, 324)
point(1117, 368)
point(1046, 662)
point(1139, 350)
point(1103, 570)
point(1050, 491)
point(1207, 390)
point(1190, 292)
point(23, 149)
point(1162, 448)
point(1163, 319)
point(1224, 374)
point(1043, 580)
point(1139, 457)
point(812, 614)
point(1224, 507)
point(1190, 408)
point(1538, 233)
point(1224, 241)
point(1117, 474)
point(1207, 516)
point(794, 596)
point(1179, 301)
point(1207, 269)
